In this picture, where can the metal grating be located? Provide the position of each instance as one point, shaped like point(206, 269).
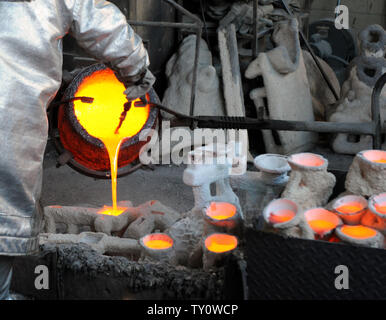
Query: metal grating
point(288, 268)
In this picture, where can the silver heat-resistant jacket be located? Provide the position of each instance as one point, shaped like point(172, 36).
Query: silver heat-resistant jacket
point(31, 35)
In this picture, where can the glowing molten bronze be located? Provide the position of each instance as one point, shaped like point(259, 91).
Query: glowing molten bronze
point(221, 210)
point(321, 226)
point(322, 221)
point(100, 119)
point(220, 243)
point(281, 216)
point(350, 208)
point(81, 124)
point(110, 211)
point(359, 232)
point(158, 241)
point(307, 159)
point(381, 207)
point(377, 156)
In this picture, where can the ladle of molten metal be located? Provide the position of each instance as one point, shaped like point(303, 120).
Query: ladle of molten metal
point(99, 119)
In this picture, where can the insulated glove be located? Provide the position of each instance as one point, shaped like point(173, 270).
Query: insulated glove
point(139, 85)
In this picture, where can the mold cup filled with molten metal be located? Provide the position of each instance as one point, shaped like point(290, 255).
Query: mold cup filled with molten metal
point(375, 217)
point(307, 160)
point(367, 173)
point(216, 248)
point(101, 118)
point(322, 222)
point(159, 247)
point(221, 210)
point(360, 235)
point(280, 211)
point(377, 204)
point(220, 243)
point(157, 241)
point(221, 217)
point(376, 156)
point(350, 208)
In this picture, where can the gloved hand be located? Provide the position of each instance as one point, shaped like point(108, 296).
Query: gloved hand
point(138, 86)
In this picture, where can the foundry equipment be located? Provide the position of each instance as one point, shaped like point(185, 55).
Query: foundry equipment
point(87, 153)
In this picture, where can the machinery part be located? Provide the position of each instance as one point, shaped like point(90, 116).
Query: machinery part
point(88, 153)
point(374, 128)
point(336, 47)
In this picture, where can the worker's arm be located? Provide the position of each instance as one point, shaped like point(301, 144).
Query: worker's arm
point(102, 30)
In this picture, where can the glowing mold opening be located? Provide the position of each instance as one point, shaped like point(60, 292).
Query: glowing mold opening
point(280, 211)
point(220, 243)
point(157, 241)
point(358, 232)
point(378, 203)
point(221, 210)
point(322, 221)
point(376, 156)
point(307, 160)
point(350, 208)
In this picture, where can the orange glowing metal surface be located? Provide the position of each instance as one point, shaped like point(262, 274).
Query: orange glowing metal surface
point(350, 208)
point(381, 207)
point(359, 232)
point(321, 226)
point(281, 216)
point(220, 243)
point(158, 241)
point(308, 160)
point(221, 210)
point(101, 118)
point(110, 211)
point(322, 221)
point(377, 156)
point(158, 244)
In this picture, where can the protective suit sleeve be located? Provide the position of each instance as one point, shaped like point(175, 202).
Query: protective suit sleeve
point(102, 30)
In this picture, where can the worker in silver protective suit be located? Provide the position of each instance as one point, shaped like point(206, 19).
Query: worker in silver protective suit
point(31, 33)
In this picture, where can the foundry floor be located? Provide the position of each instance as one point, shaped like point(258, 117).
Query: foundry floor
point(65, 186)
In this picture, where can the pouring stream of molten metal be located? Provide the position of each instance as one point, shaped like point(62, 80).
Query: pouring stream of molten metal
point(100, 119)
